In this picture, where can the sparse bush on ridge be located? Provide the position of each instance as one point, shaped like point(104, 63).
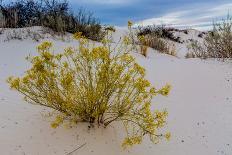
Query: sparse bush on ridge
point(189, 55)
point(196, 50)
point(53, 14)
point(20, 34)
point(156, 43)
point(158, 31)
point(95, 84)
point(172, 50)
point(154, 37)
point(217, 43)
point(13, 35)
point(110, 29)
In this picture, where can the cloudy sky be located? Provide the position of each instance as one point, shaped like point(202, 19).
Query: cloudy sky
point(179, 13)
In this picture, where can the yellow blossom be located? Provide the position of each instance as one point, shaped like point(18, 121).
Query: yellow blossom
point(139, 69)
point(14, 82)
point(77, 35)
point(165, 90)
point(127, 58)
point(129, 23)
point(168, 136)
point(129, 141)
point(44, 46)
point(126, 40)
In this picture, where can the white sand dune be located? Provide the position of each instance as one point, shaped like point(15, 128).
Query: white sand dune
point(200, 110)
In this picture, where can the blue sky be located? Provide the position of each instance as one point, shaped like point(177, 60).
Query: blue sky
point(179, 13)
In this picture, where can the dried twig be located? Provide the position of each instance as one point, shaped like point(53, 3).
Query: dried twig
point(76, 149)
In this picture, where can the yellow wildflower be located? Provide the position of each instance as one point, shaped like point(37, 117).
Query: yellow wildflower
point(129, 141)
point(165, 90)
point(127, 58)
point(77, 35)
point(14, 82)
point(44, 46)
point(129, 23)
point(168, 136)
point(139, 69)
point(126, 40)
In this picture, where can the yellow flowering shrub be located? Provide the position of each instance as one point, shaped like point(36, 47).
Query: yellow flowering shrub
point(95, 84)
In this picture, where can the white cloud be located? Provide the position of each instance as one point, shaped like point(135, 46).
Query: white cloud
point(197, 18)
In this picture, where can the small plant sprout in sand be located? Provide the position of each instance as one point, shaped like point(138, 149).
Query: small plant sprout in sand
point(95, 84)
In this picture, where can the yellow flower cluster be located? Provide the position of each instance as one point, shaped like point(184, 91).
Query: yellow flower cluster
point(57, 122)
point(130, 141)
point(77, 35)
point(127, 58)
point(44, 46)
point(165, 90)
point(126, 40)
point(14, 82)
point(168, 136)
point(100, 52)
point(129, 24)
point(141, 38)
point(139, 69)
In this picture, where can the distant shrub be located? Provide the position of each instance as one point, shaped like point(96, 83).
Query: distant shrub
point(201, 35)
point(158, 31)
point(88, 25)
point(154, 42)
point(23, 33)
point(94, 84)
point(172, 50)
point(217, 43)
point(185, 31)
point(36, 36)
point(110, 29)
point(13, 35)
point(189, 55)
point(196, 50)
point(54, 14)
point(155, 37)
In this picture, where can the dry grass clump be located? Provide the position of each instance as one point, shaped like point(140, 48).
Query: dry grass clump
point(196, 50)
point(156, 43)
point(216, 44)
point(189, 55)
point(172, 50)
point(143, 50)
point(156, 37)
